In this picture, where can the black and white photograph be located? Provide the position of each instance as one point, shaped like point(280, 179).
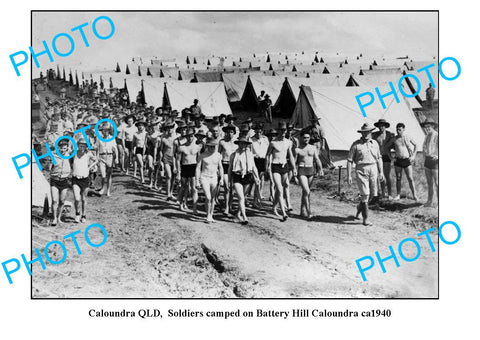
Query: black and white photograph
point(235, 154)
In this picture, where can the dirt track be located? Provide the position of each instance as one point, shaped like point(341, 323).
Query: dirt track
point(155, 250)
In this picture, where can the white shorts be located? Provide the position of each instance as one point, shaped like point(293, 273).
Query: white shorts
point(367, 178)
point(208, 181)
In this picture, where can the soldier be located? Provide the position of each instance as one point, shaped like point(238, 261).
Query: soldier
point(307, 157)
point(209, 169)
point(107, 155)
point(384, 140)
point(195, 108)
point(279, 151)
point(365, 153)
point(139, 148)
point(226, 148)
point(430, 151)
point(187, 159)
point(404, 157)
point(167, 157)
point(59, 183)
point(430, 94)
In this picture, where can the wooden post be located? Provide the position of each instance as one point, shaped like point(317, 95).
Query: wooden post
point(339, 177)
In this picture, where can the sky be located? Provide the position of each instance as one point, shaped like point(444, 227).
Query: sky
point(178, 34)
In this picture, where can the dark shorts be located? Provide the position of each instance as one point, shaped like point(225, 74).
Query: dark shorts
point(431, 163)
point(83, 183)
point(225, 168)
point(243, 180)
point(150, 151)
point(280, 168)
point(386, 159)
point(128, 145)
point(306, 171)
point(402, 162)
point(60, 184)
point(139, 151)
point(188, 170)
point(260, 164)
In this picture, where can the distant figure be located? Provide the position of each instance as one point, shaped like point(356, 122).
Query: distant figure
point(430, 93)
point(195, 108)
point(261, 97)
point(63, 92)
point(430, 151)
point(140, 99)
point(267, 109)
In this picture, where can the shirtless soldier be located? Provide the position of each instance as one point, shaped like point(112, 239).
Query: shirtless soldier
point(187, 158)
point(279, 150)
point(404, 157)
point(307, 156)
point(167, 158)
point(226, 148)
point(209, 169)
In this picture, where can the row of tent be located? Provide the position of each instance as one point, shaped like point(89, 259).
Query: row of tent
point(293, 58)
point(275, 69)
point(331, 97)
point(236, 83)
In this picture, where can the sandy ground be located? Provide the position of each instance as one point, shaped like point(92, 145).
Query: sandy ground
point(155, 250)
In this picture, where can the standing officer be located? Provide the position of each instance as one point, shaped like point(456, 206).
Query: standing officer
point(365, 153)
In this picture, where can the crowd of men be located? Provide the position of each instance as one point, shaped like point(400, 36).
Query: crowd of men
point(180, 154)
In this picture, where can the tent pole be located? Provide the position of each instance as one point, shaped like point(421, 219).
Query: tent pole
point(339, 178)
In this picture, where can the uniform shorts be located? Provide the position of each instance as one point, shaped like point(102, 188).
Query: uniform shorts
point(60, 184)
point(225, 168)
point(367, 178)
point(402, 162)
point(168, 159)
point(260, 164)
point(431, 163)
point(82, 183)
point(188, 170)
point(279, 168)
point(386, 159)
point(208, 181)
point(243, 180)
point(306, 171)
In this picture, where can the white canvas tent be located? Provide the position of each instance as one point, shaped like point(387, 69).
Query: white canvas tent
point(235, 85)
point(40, 188)
point(211, 97)
point(255, 84)
point(341, 116)
point(287, 99)
point(383, 80)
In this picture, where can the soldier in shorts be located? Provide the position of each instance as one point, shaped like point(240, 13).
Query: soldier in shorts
point(209, 169)
point(107, 155)
point(226, 148)
point(59, 181)
point(279, 150)
point(365, 153)
point(187, 159)
point(307, 157)
point(83, 161)
point(167, 157)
